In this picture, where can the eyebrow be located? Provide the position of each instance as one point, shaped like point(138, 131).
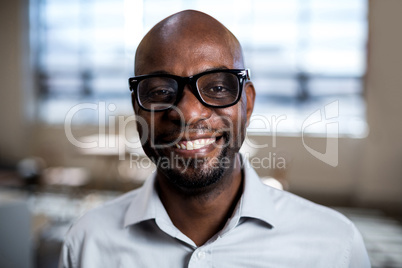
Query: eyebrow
point(206, 70)
point(159, 72)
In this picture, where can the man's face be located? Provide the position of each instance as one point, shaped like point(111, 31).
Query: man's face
point(191, 144)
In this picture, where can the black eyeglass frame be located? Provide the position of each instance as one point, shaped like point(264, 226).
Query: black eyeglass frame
point(241, 74)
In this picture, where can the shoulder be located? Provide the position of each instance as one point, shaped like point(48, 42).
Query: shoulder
point(297, 211)
point(109, 216)
point(319, 227)
point(289, 212)
point(100, 231)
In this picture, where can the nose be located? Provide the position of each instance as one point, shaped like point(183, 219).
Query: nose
point(189, 109)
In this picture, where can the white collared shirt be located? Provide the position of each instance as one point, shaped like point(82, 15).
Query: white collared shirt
point(269, 228)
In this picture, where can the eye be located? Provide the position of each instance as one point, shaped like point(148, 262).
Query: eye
point(217, 89)
point(157, 92)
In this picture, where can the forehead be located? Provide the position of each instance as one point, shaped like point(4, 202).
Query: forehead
point(186, 54)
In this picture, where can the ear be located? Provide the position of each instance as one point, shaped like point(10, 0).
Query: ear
point(250, 94)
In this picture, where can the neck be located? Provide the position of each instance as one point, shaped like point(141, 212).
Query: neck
point(203, 214)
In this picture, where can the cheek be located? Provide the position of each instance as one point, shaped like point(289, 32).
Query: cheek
point(235, 118)
point(243, 104)
point(146, 123)
point(240, 113)
point(242, 118)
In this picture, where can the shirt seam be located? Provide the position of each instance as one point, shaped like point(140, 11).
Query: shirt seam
point(339, 216)
point(71, 253)
point(348, 250)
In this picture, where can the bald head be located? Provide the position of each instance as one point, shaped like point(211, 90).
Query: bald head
point(189, 34)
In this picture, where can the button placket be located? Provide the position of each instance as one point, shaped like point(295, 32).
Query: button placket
point(201, 255)
point(199, 258)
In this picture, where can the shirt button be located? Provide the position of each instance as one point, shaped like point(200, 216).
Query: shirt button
point(201, 255)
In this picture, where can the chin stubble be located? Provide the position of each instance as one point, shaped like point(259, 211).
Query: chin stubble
point(196, 173)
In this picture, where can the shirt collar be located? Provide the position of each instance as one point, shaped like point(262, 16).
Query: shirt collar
point(255, 202)
point(145, 204)
point(257, 199)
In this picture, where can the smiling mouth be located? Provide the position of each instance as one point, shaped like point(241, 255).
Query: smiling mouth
point(194, 144)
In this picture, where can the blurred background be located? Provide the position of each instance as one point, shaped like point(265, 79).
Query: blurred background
point(326, 124)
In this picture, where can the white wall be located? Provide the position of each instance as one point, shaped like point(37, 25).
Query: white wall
point(369, 171)
point(381, 173)
point(16, 94)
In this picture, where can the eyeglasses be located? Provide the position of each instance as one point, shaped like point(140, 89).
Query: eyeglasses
point(217, 88)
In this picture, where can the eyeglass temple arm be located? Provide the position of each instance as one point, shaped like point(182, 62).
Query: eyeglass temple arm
point(248, 74)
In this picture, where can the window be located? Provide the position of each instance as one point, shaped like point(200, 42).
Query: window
point(303, 54)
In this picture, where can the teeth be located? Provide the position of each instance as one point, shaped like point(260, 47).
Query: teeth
point(195, 144)
point(198, 142)
point(190, 145)
point(198, 146)
point(209, 141)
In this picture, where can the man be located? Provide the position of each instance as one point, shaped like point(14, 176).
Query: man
point(205, 207)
